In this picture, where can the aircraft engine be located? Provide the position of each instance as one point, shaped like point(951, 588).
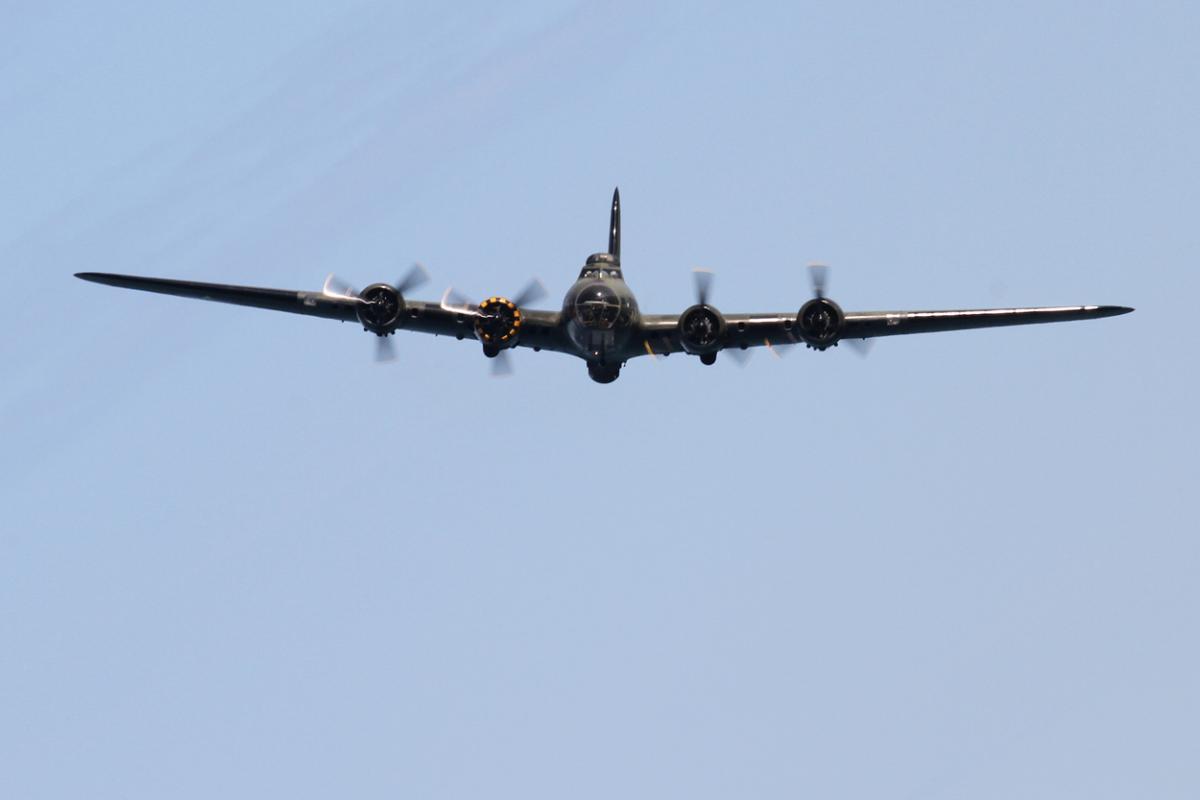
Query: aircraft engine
point(820, 322)
point(382, 308)
point(498, 324)
point(701, 330)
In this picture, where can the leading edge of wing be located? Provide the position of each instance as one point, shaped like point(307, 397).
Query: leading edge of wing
point(659, 333)
point(868, 324)
point(542, 330)
point(315, 304)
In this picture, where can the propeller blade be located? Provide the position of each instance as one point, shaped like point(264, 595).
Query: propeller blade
point(533, 291)
point(703, 279)
point(860, 346)
point(740, 357)
point(336, 287)
point(502, 365)
point(778, 349)
point(416, 276)
point(819, 273)
point(384, 349)
point(452, 300)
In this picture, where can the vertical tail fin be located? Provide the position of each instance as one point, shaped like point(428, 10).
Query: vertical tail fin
point(614, 226)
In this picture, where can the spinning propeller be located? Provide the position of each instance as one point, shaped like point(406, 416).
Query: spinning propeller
point(827, 314)
point(381, 305)
point(498, 321)
point(703, 326)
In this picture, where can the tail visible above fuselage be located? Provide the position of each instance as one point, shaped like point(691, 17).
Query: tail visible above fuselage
point(614, 227)
point(599, 309)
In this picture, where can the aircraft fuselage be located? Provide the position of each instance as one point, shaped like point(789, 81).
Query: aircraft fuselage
point(600, 311)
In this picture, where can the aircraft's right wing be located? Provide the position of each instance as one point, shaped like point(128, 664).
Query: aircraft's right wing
point(868, 324)
point(660, 332)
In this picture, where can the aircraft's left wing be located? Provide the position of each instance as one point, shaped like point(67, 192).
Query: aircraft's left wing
point(314, 304)
point(422, 316)
point(660, 332)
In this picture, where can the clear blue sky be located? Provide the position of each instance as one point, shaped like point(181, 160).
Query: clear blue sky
point(240, 559)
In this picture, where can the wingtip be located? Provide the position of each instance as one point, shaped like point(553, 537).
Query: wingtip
point(108, 278)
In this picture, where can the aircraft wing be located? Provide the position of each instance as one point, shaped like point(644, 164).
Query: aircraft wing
point(869, 324)
point(660, 332)
point(540, 327)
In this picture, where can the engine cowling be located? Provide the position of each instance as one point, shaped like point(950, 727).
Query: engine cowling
point(382, 308)
point(498, 324)
point(820, 322)
point(701, 330)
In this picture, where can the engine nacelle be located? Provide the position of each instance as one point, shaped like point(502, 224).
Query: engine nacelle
point(820, 323)
point(701, 330)
point(497, 325)
point(382, 308)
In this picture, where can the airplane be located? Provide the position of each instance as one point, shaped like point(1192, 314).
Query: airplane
point(599, 321)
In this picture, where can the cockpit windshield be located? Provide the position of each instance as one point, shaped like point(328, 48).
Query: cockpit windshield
point(604, 266)
point(597, 306)
point(601, 273)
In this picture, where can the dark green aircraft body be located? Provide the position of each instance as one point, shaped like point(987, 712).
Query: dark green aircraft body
point(599, 320)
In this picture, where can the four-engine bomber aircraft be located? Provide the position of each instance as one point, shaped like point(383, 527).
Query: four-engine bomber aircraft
point(600, 321)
